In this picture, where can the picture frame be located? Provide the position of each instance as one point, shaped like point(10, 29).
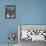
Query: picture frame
point(38, 30)
point(10, 11)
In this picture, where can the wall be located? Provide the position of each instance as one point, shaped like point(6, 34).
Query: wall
point(27, 12)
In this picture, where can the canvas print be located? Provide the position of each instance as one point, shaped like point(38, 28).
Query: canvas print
point(30, 35)
point(33, 32)
point(10, 11)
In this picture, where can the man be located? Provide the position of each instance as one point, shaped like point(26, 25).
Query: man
point(10, 12)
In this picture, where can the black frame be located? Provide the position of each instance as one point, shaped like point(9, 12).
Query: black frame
point(6, 7)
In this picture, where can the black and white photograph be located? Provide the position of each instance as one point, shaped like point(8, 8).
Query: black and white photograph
point(10, 11)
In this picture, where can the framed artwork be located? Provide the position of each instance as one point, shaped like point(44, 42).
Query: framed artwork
point(10, 11)
point(32, 32)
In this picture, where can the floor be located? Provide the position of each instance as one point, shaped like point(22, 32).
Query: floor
point(7, 45)
point(30, 43)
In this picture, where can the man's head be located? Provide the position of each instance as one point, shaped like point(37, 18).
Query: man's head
point(10, 12)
